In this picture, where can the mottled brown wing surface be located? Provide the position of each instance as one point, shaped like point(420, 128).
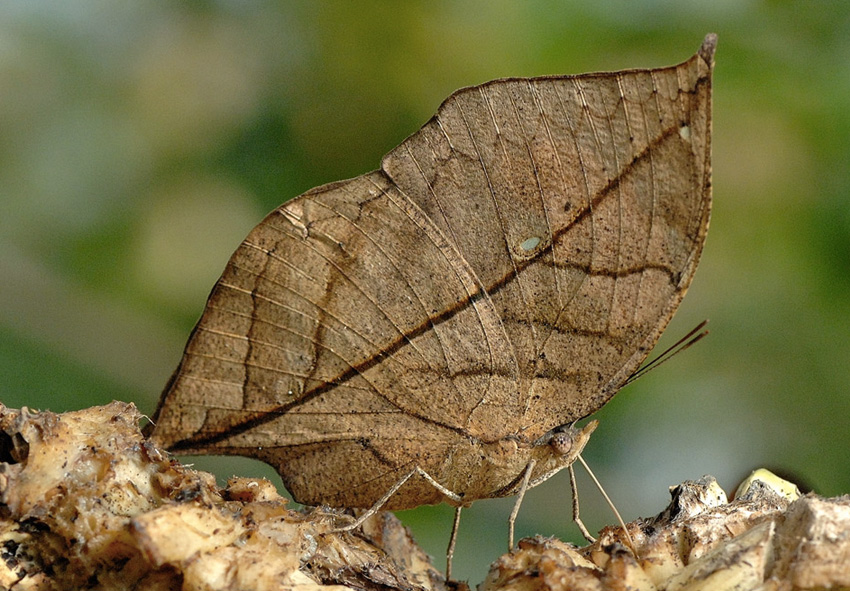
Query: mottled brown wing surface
point(503, 273)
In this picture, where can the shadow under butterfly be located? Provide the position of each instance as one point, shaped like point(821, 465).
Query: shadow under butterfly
point(431, 331)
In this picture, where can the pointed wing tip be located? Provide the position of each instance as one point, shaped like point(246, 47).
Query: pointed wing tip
point(706, 51)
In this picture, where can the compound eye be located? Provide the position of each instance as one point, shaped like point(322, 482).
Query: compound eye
point(562, 443)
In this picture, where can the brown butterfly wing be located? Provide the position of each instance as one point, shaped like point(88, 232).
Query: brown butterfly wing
point(588, 199)
point(503, 273)
point(320, 350)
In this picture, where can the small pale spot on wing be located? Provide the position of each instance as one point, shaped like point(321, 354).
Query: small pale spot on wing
point(530, 244)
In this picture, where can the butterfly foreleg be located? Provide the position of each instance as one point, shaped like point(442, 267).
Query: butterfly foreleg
point(449, 494)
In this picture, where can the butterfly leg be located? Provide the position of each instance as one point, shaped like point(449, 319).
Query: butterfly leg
point(456, 498)
point(629, 541)
point(576, 517)
point(453, 496)
point(515, 511)
point(377, 506)
point(450, 551)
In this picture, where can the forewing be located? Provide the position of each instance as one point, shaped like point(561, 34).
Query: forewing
point(585, 204)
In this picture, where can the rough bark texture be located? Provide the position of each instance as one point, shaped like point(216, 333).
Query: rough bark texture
point(87, 503)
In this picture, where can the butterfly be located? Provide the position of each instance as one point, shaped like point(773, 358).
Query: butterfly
point(432, 330)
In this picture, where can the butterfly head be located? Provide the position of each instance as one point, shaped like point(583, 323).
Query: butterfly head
point(568, 441)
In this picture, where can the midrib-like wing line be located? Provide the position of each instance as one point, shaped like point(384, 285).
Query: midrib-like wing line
point(401, 341)
point(616, 173)
point(433, 320)
point(499, 214)
point(197, 378)
point(588, 194)
point(323, 310)
point(342, 274)
point(268, 344)
point(301, 296)
point(422, 307)
point(276, 370)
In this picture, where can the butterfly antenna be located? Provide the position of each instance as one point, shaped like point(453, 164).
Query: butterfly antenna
point(686, 341)
point(608, 500)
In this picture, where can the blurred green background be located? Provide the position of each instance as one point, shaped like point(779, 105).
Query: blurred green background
point(140, 142)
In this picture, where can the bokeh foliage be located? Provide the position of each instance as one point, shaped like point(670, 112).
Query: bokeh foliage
point(139, 142)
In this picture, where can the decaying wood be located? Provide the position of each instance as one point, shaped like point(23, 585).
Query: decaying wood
point(87, 503)
point(501, 276)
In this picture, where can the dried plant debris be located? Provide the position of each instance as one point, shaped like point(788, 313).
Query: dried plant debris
point(87, 503)
point(764, 539)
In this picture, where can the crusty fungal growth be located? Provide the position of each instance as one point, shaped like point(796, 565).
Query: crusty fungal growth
point(86, 502)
